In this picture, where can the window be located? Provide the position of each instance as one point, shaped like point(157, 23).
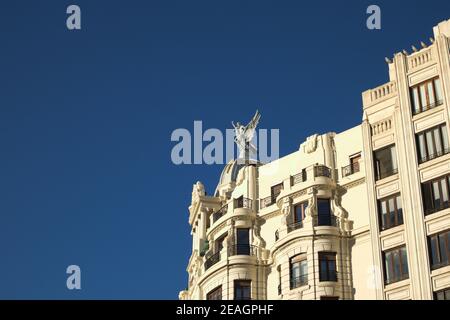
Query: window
point(279, 279)
point(390, 211)
point(426, 95)
point(353, 167)
point(215, 294)
point(385, 162)
point(442, 294)
point(298, 271)
point(299, 215)
point(275, 192)
point(439, 248)
point(243, 241)
point(239, 202)
point(432, 143)
point(327, 266)
point(242, 290)
point(435, 194)
point(395, 265)
point(324, 212)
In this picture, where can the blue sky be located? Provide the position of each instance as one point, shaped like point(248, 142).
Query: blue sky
point(86, 118)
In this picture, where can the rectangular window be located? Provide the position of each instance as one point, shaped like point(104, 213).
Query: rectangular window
point(243, 241)
point(432, 143)
point(324, 212)
point(242, 290)
point(327, 266)
point(395, 265)
point(435, 194)
point(442, 294)
point(426, 95)
point(353, 167)
point(215, 294)
point(439, 249)
point(300, 211)
point(298, 271)
point(275, 192)
point(385, 162)
point(390, 212)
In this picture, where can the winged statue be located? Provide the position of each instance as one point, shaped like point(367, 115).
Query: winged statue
point(244, 136)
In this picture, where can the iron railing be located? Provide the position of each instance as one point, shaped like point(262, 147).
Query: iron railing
point(428, 107)
point(294, 226)
point(434, 155)
point(322, 171)
point(299, 281)
point(243, 202)
point(267, 201)
point(350, 169)
point(241, 249)
point(219, 213)
point(298, 178)
point(212, 260)
point(326, 220)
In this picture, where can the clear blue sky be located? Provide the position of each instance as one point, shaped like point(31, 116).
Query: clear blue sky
point(86, 118)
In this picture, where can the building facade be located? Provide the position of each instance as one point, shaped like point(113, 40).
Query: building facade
point(361, 214)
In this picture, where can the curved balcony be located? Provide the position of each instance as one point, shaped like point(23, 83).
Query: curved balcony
point(242, 249)
point(212, 260)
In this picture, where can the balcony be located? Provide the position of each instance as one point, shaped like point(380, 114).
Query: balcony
point(241, 249)
point(212, 260)
point(294, 226)
point(298, 178)
point(219, 213)
point(243, 202)
point(435, 155)
point(326, 220)
point(322, 171)
point(350, 169)
point(301, 280)
point(267, 201)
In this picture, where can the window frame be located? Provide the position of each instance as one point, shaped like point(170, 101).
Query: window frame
point(297, 261)
point(430, 193)
point(443, 132)
point(394, 164)
point(275, 193)
point(248, 284)
point(397, 212)
point(329, 274)
point(214, 293)
point(402, 276)
point(437, 249)
point(435, 82)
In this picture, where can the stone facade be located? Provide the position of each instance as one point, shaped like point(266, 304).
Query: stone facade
point(267, 225)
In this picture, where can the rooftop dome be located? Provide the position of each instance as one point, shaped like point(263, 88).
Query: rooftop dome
point(229, 174)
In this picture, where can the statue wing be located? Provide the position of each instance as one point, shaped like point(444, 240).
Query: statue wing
point(251, 126)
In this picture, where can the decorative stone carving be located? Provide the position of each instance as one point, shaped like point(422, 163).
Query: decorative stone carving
point(286, 210)
point(230, 236)
point(257, 239)
point(311, 144)
point(198, 189)
point(338, 210)
point(311, 210)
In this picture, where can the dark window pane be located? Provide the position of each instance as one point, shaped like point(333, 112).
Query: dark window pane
point(324, 212)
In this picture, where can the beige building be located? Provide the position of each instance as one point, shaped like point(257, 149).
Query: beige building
point(361, 214)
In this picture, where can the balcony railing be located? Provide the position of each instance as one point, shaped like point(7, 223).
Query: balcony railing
point(241, 249)
point(267, 201)
point(294, 226)
point(385, 174)
point(299, 281)
point(428, 107)
point(219, 213)
point(435, 155)
point(329, 220)
point(322, 171)
point(350, 169)
point(298, 178)
point(244, 203)
point(212, 260)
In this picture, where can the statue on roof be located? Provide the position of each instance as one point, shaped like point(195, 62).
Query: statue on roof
point(244, 136)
